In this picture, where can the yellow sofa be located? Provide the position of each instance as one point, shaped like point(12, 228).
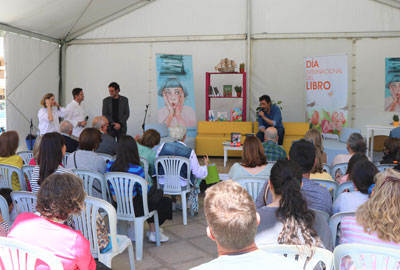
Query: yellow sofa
point(211, 135)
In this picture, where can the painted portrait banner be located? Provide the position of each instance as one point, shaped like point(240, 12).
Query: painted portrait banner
point(326, 88)
point(392, 85)
point(175, 90)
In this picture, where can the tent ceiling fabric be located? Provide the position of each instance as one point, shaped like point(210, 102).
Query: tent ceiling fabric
point(57, 18)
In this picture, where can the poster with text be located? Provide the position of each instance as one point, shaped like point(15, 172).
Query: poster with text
point(392, 84)
point(327, 88)
point(175, 90)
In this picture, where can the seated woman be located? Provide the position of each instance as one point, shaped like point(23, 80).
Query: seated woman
point(86, 158)
point(391, 147)
point(9, 142)
point(128, 161)
point(254, 161)
point(317, 171)
point(51, 153)
point(179, 148)
point(363, 176)
point(60, 195)
point(353, 160)
point(287, 219)
point(377, 220)
point(149, 139)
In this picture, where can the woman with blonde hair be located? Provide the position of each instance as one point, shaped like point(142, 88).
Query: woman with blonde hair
point(317, 171)
point(49, 114)
point(377, 220)
point(254, 161)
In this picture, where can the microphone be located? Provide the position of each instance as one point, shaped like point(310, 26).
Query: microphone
point(86, 118)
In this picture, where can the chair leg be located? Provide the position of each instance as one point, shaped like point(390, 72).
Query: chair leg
point(139, 238)
point(184, 209)
point(131, 258)
point(157, 225)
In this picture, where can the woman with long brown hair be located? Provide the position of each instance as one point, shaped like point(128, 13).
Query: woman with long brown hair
point(9, 142)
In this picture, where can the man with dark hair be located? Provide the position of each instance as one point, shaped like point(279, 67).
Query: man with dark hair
point(318, 197)
point(75, 113)
point(116, 110)
point(233, 227)
point(269, 116)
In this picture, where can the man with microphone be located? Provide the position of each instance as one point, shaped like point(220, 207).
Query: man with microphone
point(75, 113)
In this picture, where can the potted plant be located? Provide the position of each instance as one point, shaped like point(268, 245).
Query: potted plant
point(238, 90)
point(395, 120)
point(241, 68)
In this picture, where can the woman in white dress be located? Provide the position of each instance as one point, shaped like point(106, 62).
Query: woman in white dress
point(49, 113)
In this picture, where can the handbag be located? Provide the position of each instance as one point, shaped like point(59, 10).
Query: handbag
point(154, 195)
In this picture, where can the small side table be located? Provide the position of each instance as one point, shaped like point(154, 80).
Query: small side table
point(233, 148)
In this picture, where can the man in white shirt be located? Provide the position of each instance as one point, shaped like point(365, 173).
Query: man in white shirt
point(75, 113)
point(232, 223)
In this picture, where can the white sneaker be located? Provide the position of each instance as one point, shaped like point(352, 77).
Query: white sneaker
point(163, 237)
point(148, 232)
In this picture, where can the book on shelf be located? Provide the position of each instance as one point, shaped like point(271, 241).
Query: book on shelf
point(227, 90)
point(236, 114)
point(210, 91)
point(216, 92)
point(222, 116)
point(211, 116)
point(235, 138)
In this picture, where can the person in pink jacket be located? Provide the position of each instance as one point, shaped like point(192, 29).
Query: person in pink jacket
point(60, 195)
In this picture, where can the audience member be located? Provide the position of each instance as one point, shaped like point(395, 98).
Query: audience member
point(36, 147)
point(363, 176)
point(108, 145)
point(9, 142)
point(149, 139)
point(391, 147)
point(377, 220)
point(128, 160)
point(317, 197)
point(232, 223)
point(75, 114)
point(272, 150)
point(287, 219)
point(66, 132)
point(254, 162)
point(49, 114)
point(269, 116)
point(51, 153)
point(60, 195)
point(179, 148)
point(4, 226)
point(317, 171)
point(355, 144)
point(353, 160)
point(85, 158)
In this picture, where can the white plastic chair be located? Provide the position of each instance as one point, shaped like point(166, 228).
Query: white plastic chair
point(106, 157)
point(6, 172)
point(341, 166)
point(332, 186)
point(322, 213)
point(383, 167)
point(334, 222)
point(4, 210)
point(327, 168)
point(16, 255)
point(367, 256)
point(343, 186)
point(253, 185)
point(26, 156)
point(24, 201)
point(89, 179)
point(300, 255)
point(123, 184)
point(86, 223)
point(28, 170)
point(145, 165)
point(65, 158)
point(172, 166)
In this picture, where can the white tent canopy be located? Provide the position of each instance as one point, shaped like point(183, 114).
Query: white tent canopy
point(103, 41)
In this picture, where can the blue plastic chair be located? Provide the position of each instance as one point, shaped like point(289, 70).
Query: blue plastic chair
point(26, 156)
point(367, 256)
point(24, 201)
point(343, 186)
point(253, 185)
point(27, 170)
point(326, 168)
point(329, 184)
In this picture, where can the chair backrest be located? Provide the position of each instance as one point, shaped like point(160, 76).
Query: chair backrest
point(85, 222)
point(367, 257)
point(6, 172)
point(4, 210)
point(123, 184)
point(326, 168)
point(383, 167)
point(335, 169)
point(322, 213)
point(24, 201)
point(106, 157)
point(300, 254)
point(329, 184)
point(172, 166)
point(145, 165)
point(334, 222)
point(28, 170)
point(65, 158)
point(26, 156)
point(89, 179)
point(252, 185)
point(15, 254)
point(343, 186)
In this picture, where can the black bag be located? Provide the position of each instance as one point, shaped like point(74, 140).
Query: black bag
point(154, 195)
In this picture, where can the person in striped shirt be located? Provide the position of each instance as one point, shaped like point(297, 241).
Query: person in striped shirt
point(377, 220)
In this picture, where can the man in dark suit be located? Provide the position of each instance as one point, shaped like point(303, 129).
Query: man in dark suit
point(66, 132)
point(108, 145)
point(116, 110)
